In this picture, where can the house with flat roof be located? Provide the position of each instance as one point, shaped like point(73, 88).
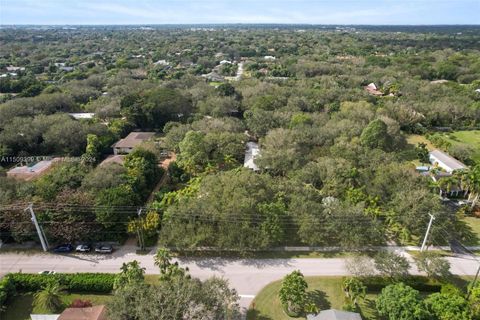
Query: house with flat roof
point(32, 170)
point(130, 142)
point(446, 162)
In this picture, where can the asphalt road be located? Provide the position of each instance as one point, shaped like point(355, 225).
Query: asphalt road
point(248, 276)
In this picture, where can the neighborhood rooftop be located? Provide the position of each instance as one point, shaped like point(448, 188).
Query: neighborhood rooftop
point(134, 139)
point(446, 161)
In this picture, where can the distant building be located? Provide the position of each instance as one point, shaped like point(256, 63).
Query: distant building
point(82, 115)
point(213, 76)
point(87, 313)
point(445, 161)
point(118, 159)
point(333, 314)
point(373, 89)
point(134, 139)
point(439, 81)
point(161, 63)
point(13, 68)
point(66, 69)
point(270, 58)
point(32, 171)
point(252, 152)
point(225, 62)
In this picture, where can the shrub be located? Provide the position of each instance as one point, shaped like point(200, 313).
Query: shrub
point(377, 283)
point(7, 290)
point(78, 282)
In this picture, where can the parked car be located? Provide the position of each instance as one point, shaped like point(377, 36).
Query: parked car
point(83, 248)
point(63, 248)
point(104, 248)
point(47, 272)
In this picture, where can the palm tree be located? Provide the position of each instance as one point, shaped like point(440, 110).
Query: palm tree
point(49, 298)
point(474, 184)
point(162, 259)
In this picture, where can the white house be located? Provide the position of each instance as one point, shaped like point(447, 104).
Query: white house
point(82, 115)
point(445, 161)
point(269, 58)
point(252, 152)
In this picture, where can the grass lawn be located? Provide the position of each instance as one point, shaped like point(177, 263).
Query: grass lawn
point(470, 137)
point(21, 307)
point(467, 137)
point(415, 139)
point(326, 291)
point(474, 224)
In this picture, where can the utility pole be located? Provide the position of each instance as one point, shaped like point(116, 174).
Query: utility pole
point(140, 230)
point(41, 235)
point(428, 231)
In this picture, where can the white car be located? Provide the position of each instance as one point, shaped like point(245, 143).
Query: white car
point(46, 272)
point(83, 248)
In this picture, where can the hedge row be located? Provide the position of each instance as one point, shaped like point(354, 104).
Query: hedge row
point(424, 284)
point(77, 282)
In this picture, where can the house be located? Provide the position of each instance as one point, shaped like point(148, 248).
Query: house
point(44, 316)
point(82, 115)
point(373, 89)
point(32, 171)
point(252, 152)
point(445, 161)
point(225, 62)
point(119, 159)
point(134, 139)
point(213, 76)
point(66, 69)
point(87, 313)
point(161, 63)
point(13, 69)
point(269, 58)
point(333, 314)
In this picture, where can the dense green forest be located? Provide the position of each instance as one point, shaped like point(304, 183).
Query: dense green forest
point(335, 166)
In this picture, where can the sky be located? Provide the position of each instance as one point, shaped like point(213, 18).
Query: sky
point(379, 12)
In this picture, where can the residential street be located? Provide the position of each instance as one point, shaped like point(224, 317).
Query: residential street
point(248, 276)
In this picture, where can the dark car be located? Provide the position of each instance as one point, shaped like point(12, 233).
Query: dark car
point(63, 248)
point(104, 248)
point(83, 248)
